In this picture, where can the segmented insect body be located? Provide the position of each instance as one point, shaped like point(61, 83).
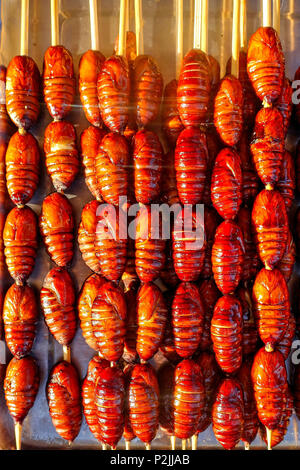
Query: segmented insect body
point(166, 397)
point(251, 260)
point(89, 142)
point(211, 222)
point(87, 235)
point(285, 344)
point(64, 400)
point(250, 186)
point(279, 433)
point(284, 103)
point(251, 422)
point(287, 181)
point(171, 122)
point(130, 352)
point(286, 264)
point(209, 294)
point(90, 66)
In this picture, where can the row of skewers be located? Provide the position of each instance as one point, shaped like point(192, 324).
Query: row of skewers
point(193, 392)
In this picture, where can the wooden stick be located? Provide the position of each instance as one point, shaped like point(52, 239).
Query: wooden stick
point(138, 16)
point(194, 441)
point(179, 36)
point(127, 445)
point(267, 13)
point(18, 435)
point(122, 29)
point(148, 446)
point(54, 23)
point(183, 444)
point(276, 15)
point(223, 52)
point(104, 447)
point(204, 26)
point(235, 38)
point(67, 353)
point(243, 25)
point(197, 24)
point(94, 25)
point(247, 446)
point(269, 438)
point(24, 27)
point(173, 442)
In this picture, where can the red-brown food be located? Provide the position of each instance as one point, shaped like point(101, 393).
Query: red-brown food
point(286, 264)
point(267, 144)
point(214, 83)
point(211, 222)
point(109, 308)
point(20, 241)
point(87, 235)
point(228, 112)
point(270, 225)
point(143, 396)
point(130, 352)
point(58, 304)
point(147, 159)
point(189, 398)
point(62, 160)
point(21, 385)
point(251, 260)
point(270, 386)
point(114, 93)
point(57, 225)
point(112, 168)
point(187, 319)
point(149, 244)
point(191, 158)
point(169, 193)
point(250, 186)
point(58, 81)
point(229, 403)
point(226, 333)
point(226, 183)
point(130, 49)
point(6, 126)
point(111, 242)
point(209, 294)
point(193, 89)
point(228, 253)
point(20, 315)
point(167, 347)
point(89, 142)
point(22, 91)
point(147, 88)
point(211, 378)
point(95, 367)
point(189, 243)
point(22, 167)
point(250, 333)
point(251, 422)
point(151, 317)
point(166, 397)
point(287, 180)
point(129, 273)
point(128, 433)
point(86, 299)
point(285, 344)
point(266, 64)
point(171, 122)
point(168, 274)
point(64, 400)
point(90, 66)
point(271, 305)
point(284, 103)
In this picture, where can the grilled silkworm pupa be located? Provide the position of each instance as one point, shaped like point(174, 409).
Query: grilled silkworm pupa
point(147, 160)
point(90, 66)
point(151, 318)
point(143, 394)
point(251, 259)
point(58, 304)
point(90, 140)
point(267, 146)
point(269, 379)
point(211, 222)
point(149, 244)
point(113, 87)
point(228, 111)
point(166, 397)
point(191, 158)
point(168, 274)
point(62, 160)
point(250, 186)
point(250, 333)
point(20, 241)
point(287, 181)
point(22, 91)
point(171, 122)
point(147, 88)
point(20, 315)
point(189, 243)
point(271, 305)
point(286, 264)
point(266, 64)
point(226, 183)
point(110, 401)
point(284, 103)
point(209, 294)
point(193, 89)
point(270, 223)
point(251, 422)
point(128, 433)
point(285, 344)
point(167, 347)
point(229, 402)
point(87, 235)
point(228, 253)
point(112, 168)
point(96, 365)
point(189, 398)
point(22, 167)
point(58, 81)
point(226, 333)
point(21, 385)
point(187, 319)
point(130, 352)
point(57, 225)
point(64, 400)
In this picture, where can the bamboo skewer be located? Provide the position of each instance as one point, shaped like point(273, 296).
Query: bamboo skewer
point(179, 35)
point(197, 24)
point(67, 353)
point(127, 445)
point(267, 13)
point(138, 16)
point(194, 441)
point(276, 16)
point(243, 26)
point(173, 442)
point(204, 26)
point(94, 25)
point(223, 52)
point(247, 446)
point(18, 435)
point(122, 29)
point(54, 23)
point(24, 27)
point(235, 59)
point(269, 438)
point(148, 446)
point(183, 444)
